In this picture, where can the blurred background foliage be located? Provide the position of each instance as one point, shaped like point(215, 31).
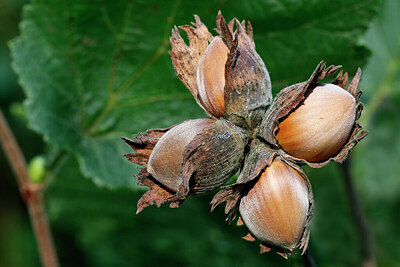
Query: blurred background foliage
point(92, 71)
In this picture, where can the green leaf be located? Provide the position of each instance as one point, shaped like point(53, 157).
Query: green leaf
point(381, 84)
point(95, 70)
point(299, 34)
point(376, 160)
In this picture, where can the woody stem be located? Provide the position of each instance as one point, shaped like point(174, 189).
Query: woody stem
point(308, 259)
point(359, 218)
point(32, 195)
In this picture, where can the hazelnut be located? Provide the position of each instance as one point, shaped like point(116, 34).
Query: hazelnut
point(226, 76)
point(320, 125)
point(194, 157)
point(276, 208)
point(166, 159)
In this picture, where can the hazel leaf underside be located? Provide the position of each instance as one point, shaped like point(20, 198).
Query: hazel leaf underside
point(291, 97)
point(88, 71)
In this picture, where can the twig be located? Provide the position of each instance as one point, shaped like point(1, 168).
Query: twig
point(32, 195)
point(360, 221)
point(308, 259)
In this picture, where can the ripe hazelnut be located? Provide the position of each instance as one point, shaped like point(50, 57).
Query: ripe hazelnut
point(320, 125)
point(166, 159)
point(276, 208)
point(211, 76)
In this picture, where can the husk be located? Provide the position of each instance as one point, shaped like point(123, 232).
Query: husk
point(257, 159)
point(185, 58)
point(212, 157)
point(247, 82)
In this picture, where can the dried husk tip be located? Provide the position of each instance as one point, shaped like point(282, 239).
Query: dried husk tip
point(143, 145)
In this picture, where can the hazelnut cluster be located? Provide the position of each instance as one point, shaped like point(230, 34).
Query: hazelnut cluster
point(247, 130)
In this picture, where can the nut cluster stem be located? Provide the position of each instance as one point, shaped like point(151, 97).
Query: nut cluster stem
point(32, 195)
point(359, 218)
point(308, 259)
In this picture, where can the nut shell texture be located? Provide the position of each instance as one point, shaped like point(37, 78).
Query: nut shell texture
point(275, 209)
point(165, 161)
point(320, 126)
point(211, 77)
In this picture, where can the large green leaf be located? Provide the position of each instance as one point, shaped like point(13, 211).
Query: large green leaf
point(376, 160)
point(95, 70)
point(381, 84)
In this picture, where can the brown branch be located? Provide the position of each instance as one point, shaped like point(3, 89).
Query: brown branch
point(32, 195)
point(369, 259)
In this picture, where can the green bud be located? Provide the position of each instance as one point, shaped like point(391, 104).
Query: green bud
point(37, 169)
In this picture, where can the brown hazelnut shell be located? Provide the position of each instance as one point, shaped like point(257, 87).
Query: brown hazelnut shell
point(277, 206)
point(291, 97)
point(320, 126)
point(166, 159)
